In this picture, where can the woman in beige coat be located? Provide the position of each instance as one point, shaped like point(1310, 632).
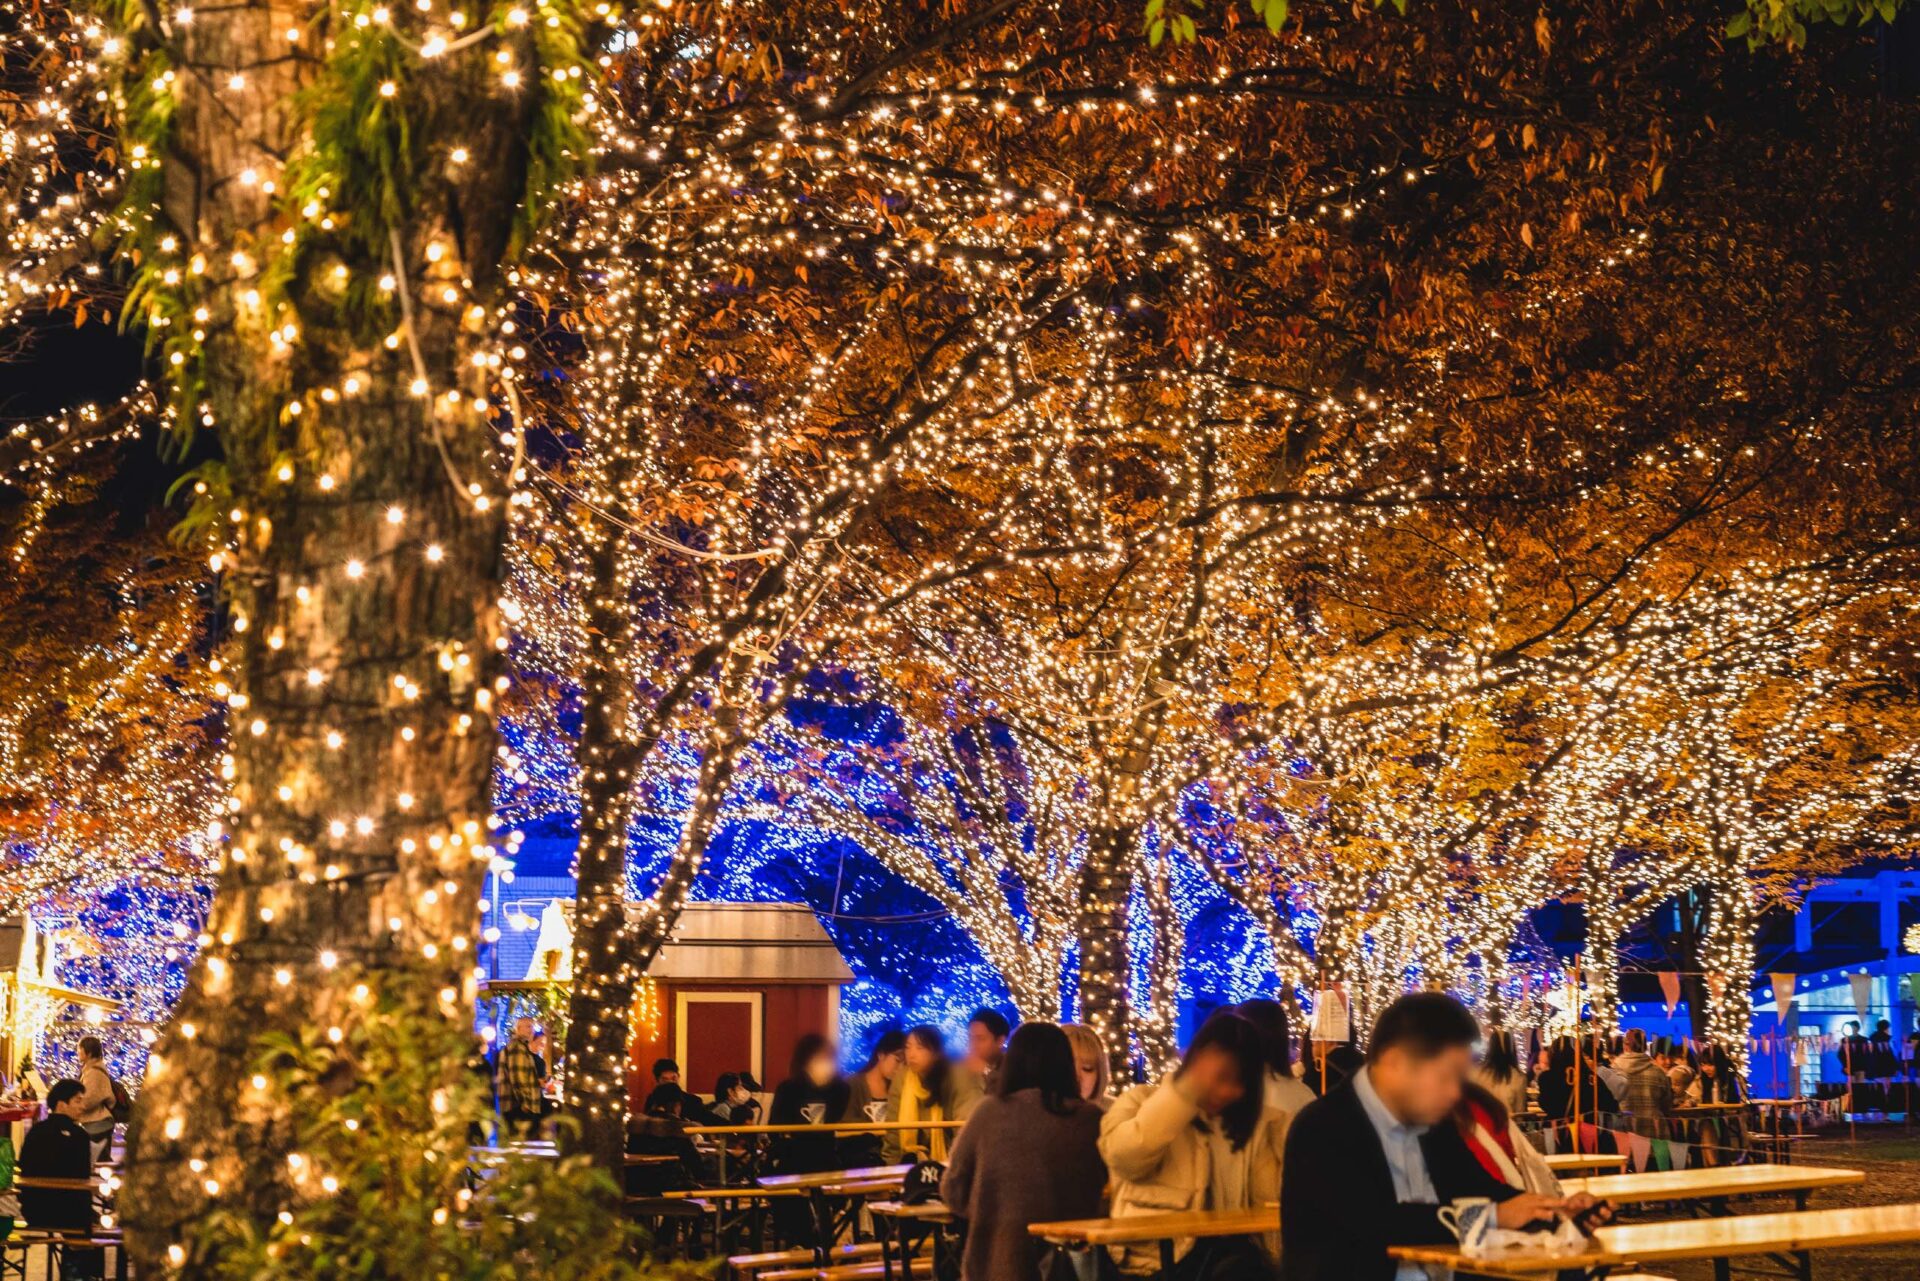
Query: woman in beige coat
point(1204, 1139)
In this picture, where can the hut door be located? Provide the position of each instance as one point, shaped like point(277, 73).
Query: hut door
point(716, 1032)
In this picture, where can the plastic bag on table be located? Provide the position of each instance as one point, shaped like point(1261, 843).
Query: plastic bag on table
point(1566, 1238)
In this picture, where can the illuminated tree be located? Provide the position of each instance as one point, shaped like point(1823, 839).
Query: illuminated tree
point(974, 816)
point(108, 730)
point(313, 242)
point(1207, 308)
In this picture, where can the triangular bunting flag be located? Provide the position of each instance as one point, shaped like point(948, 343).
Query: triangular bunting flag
point(1862, 985)
point(1670, 990)
point(1782, 993)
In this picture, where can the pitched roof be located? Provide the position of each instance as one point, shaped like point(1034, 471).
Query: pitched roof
point(745, 942)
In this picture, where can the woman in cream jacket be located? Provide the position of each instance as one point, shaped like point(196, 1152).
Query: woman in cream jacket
point(1204, 1139)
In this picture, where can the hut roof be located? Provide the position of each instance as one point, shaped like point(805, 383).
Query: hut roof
point(749, 942)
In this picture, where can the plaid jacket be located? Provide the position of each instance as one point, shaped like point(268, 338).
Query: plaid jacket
point(518, 1085)
point(1649, 1093)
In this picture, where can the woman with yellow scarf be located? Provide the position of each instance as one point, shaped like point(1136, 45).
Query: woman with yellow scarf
point(930, 1087)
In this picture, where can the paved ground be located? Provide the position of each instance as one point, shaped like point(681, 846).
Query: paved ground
point(1891, 1157)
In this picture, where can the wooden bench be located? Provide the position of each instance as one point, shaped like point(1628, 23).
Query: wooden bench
point(795, 1257)
point(874, 1270)
point(25, 1240)
point(849, 1272)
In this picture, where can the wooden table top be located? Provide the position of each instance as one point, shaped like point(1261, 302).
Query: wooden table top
point(836, 1127)
point(1161, 1227)
point(1586, 1161)
point(1682, 1109)
point(1780, 1103)
point(931, 1211)
point(1851, 1226)
point(1731, 1180)
point(825, 1178)
point(862, 1187)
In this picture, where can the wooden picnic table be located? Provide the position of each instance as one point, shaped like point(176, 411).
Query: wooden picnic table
point(821, 1178)
point(1777, 1107)
point(820, 1185)
point(1798, 1232)
point(933, 1210)
point(1559, 1161)
point(1714, 1183)
point(751, 1132)
point(932, 1216)
point(1164, 1228)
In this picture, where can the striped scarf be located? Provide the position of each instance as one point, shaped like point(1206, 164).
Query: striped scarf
point(1492, 1145)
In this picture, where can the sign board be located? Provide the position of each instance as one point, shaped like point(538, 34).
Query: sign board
point(1330, 1019)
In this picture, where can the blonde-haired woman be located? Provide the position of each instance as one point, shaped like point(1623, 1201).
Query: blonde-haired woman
point(1090, 1064)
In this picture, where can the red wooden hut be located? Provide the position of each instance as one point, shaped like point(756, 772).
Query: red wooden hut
point(732, 991)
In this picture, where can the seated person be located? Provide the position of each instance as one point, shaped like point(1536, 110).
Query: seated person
point(1370, 1165)
point(987, 1033)
point(930, 1087)
point(60, 1148)
point(733, 1101)
point(1203, 1139)
point(661, 1130)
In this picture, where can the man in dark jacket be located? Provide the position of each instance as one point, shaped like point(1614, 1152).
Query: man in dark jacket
point(1370, 1165)
point(59, 1148)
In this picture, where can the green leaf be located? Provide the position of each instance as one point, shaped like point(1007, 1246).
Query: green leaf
point(1740, 23)
point(1276, 15)
point(1156, 32)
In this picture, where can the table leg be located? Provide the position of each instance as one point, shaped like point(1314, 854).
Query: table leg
point(822, 1223)
point(1166, 1257)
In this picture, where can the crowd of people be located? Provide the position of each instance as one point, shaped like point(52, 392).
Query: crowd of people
point(1360, 1151)
point(1646, 1086)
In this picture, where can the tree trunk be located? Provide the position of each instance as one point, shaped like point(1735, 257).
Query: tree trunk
point(1157, 1028)
point(604, 973)
point(1727, 949)
point(1494, 968)
point(363, 590)
point(1689, 946)
point(1035, 983)
point(662, 911)
point(362, 833)
point(1601, 970)
point(1106, 882)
